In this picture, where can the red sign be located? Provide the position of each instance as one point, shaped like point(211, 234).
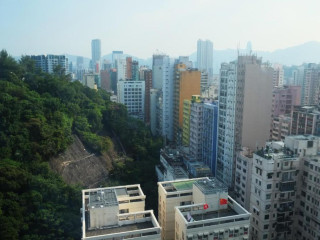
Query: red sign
point(223, 201)
point(205, 206)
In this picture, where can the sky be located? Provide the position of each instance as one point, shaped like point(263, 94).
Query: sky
point(143, 27)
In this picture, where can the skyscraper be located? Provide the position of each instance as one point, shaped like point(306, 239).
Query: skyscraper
point(162, 79)
point(95, 52)
point(245, 104)
point(204, 56)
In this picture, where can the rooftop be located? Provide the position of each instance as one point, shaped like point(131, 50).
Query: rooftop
point(195, 214)
point(212, 214)
point(119, 229)
point(102, 198)
point(212, 185)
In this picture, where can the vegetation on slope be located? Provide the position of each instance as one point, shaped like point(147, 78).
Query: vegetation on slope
point(38, 114)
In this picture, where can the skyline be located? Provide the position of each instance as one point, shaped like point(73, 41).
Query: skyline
point(140, 28)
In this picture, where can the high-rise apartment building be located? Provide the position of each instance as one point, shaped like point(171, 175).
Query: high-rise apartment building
point(273, 196)
point(196, 127)
point(305, 120)
point(154, 101)
point(121, 69)
point(278, 75)
point(132, 94)
point(210, 134)
point(47, 63)
point(186, 84)
point(148, 85)
point(117, 213)
point(129, 68)
point(116, 55)
point(245, 105)
point(186, 123)
point(204, 56)
point(226, 123)
point(95, 52)
point(242, 184)
point(162, 79)
point(200, 208)
point(311, 84)
point(284, 98)
point(307, 222)
point(284, 189)
point(281, 126)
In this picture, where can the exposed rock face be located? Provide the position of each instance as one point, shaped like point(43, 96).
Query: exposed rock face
point(78, 166)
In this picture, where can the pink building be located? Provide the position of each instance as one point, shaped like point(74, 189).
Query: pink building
point(284, 98)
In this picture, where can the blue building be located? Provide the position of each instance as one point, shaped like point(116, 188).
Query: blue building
point(210, 134)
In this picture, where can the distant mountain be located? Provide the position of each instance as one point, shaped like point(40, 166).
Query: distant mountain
point(296, 55)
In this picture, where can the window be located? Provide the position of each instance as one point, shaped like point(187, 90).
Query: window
point(266, 216)
point(269, 186)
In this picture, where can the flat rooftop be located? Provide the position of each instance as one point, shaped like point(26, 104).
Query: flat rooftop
point(102, 198)
point(209, 186)
point(119, 229)
point(176, 186)
point(213, 214)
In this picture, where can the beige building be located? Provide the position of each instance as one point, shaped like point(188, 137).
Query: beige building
point(117, 213)
point(245, 105)
point(200, 208)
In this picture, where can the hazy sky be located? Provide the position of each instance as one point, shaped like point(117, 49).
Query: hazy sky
point(140, 27)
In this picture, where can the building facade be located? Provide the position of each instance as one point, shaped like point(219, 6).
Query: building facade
point(205, 56)
point(117, 213)
point(47, 63)
point(186, 84)
point(245, 106)
point(210, 135)
point(162, 79)
point(132, 94)
point(196, 209)
point(95, 52)
point(305, 120)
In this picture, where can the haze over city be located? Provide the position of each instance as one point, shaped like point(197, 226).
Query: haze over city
point(160, 120)
point(140, 28)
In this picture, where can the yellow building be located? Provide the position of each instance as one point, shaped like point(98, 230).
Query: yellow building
point(186, 118)
point(187, 83)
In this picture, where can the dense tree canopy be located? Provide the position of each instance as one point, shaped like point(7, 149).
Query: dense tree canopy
point(39, 112)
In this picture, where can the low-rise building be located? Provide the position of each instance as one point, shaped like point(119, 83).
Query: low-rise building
point(117, 213)
point(171, 165)
point(200, 208)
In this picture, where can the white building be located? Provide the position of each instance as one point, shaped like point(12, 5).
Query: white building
point(226, 122)
point(278, 75)
point(121, 69)
point(204, 56)
point(116, 55)
point(132, 94)
point(117, 213)
point(162, 79)
point(200, 208)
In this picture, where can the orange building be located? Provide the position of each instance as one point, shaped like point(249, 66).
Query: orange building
point(187, 83)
